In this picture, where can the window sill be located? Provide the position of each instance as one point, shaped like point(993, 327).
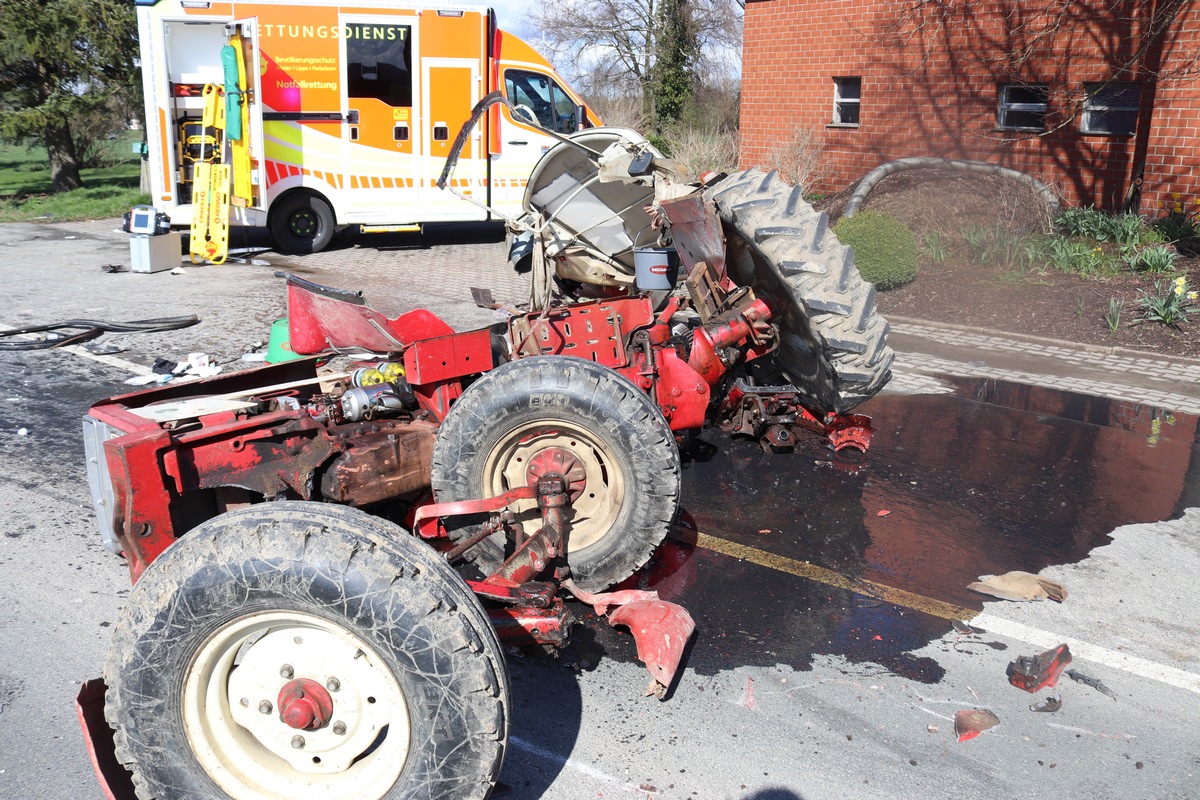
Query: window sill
point(1107, 134)
point(1018, 130)
point(842, 125)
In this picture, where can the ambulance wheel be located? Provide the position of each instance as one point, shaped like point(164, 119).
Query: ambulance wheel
point(301, 222)
point(301, 651)
point(571, 416)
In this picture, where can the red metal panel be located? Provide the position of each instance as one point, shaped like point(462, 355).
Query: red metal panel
point(448, 358)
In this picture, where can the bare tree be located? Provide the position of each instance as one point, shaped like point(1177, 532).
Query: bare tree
point(612, 44)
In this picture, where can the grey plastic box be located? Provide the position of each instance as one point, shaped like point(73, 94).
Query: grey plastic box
point(155, 253)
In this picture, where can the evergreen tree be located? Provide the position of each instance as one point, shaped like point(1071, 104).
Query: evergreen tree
point(58, 60)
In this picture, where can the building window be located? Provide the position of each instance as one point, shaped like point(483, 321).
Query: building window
point(1111, 108)
point(847, 93)
point(1023, 106)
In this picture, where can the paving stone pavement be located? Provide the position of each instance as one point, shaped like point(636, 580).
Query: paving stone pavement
point(436, 271)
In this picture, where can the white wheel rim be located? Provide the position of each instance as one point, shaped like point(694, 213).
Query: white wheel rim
point(250, 752)
point(594, 512)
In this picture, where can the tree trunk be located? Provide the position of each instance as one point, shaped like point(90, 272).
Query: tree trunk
point(64, 165)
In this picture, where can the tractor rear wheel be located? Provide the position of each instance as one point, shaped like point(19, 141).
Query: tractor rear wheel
point(305, 650)
point(579, 419)
point(833, 344)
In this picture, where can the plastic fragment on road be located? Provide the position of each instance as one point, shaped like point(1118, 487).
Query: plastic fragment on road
point(144, 380)
point(1088, 680)
point(1050, 704)
point(883, 512)
point(1020, 586)
point(1033, 673)
point(971, 722)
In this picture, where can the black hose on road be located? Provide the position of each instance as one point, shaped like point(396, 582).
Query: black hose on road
point(88, 329)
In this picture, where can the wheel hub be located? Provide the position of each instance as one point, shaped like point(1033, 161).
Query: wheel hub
point(305, 705)
point(279, 695)
point(556, 461)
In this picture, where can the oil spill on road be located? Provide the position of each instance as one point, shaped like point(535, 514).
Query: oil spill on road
point(1008, 477)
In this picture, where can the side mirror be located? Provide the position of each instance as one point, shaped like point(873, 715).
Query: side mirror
point(581, 117)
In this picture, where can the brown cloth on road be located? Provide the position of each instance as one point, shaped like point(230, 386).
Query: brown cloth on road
point(1020, 586)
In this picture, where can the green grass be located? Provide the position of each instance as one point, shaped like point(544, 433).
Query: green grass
point(108, 191)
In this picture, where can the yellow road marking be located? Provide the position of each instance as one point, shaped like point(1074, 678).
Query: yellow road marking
point(791, 566)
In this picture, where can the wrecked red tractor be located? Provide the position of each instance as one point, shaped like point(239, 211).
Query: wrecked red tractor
point(286, 634)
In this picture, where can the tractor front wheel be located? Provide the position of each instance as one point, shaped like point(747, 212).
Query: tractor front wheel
point(304, 651)
point(578, 419)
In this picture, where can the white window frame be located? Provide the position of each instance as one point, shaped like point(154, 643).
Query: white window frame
point(839, 83)
point(1006, 106)
point(1091, 106)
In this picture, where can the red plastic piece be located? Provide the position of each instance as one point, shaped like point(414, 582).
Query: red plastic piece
point(1033, 673)
point(115, 780)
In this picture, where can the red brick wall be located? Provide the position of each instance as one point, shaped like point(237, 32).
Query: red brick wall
point(935, 94)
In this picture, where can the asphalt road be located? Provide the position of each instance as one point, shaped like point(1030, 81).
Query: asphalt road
point(825, 664)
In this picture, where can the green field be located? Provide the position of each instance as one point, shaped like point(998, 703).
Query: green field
point(108, 191)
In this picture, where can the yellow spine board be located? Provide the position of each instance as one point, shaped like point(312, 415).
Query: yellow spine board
point(210, 189)
point(243, 190)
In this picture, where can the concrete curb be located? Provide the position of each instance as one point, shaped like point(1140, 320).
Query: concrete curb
point(1041, 341)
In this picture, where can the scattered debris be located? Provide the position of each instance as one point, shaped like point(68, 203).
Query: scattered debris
point(932, 728)
point(22, 431)
point(1088, 680)
point(102, 349)
point(1020, 586)
point(1050, 704)
point(144, 380)
point(883, 513)
point(1033, 673)
point(178, 271)
point(964, 629)
point(970, 723)
point(163, 366)
point(113, 268)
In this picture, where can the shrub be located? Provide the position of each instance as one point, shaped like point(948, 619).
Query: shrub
point(885, 249)
point(1152, 259)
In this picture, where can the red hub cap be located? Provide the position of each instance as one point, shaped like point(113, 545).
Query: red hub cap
point(305, 705)
point(556, 461)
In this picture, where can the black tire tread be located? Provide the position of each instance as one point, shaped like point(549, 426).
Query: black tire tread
point(419, 585)
point(838, 306)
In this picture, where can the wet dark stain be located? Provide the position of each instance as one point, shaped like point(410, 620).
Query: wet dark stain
point(1006, 477)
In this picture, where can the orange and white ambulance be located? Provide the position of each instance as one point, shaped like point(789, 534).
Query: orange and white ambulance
point(349, 111)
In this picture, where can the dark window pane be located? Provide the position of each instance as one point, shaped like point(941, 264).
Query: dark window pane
point(1124, 95)
point(1124, 122)
point(1026, 94)
point(849, 88)
point(847, 113)
point(549, 102)
point(1033, 120)
point(379, 62)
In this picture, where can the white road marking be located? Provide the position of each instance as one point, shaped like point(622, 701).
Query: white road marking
point(1134, 665)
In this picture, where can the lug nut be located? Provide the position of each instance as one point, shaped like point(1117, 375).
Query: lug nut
point(333, 684)
point(298, 742)
point(265, 707)
point(339, 728)
point(245, 701)
point(286, 671)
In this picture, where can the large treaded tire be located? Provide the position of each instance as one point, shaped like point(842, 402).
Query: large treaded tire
point(300, 575)
point(834, 343)
point(525, 408)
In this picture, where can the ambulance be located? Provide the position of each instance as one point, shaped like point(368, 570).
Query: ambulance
point(344, 115)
